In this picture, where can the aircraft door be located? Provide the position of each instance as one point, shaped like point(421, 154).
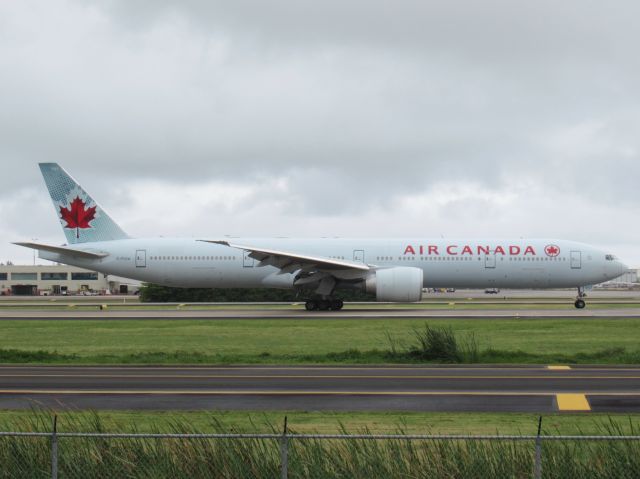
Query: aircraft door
point(490, 260)
point(358, 256)
point(141, 258)
point(576, 259)
point(247, 261)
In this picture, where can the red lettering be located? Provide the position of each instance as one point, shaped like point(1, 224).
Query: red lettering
point(499, 250)
point(467, 250)
point(514, 250)
point(421, 249)
point(450, 249)
point(433, 249)
point(483, 249)
point(529, 250)
point(409, 249)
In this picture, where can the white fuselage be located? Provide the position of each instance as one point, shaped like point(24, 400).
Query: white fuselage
point(460, 263)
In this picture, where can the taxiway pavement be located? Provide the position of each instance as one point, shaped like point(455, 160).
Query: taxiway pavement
point(496, 389)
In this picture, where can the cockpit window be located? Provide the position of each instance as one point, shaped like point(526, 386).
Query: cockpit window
point(610, 257)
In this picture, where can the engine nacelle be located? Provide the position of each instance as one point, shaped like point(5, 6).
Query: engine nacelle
point(399, 284)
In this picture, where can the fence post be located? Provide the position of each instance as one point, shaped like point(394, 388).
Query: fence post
point(537, 468)
point(54, 449)
point(284, 452)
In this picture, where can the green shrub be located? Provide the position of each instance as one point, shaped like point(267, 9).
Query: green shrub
point(436, 344)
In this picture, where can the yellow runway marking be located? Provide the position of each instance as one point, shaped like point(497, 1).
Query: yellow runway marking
point(573, 402)
point(558, 367)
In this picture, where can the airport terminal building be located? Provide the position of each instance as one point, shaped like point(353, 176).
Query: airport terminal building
point(49, 280)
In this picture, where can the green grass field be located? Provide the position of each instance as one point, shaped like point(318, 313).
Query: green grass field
point(310, 341)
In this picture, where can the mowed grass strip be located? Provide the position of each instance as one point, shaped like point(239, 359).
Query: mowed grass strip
point(309, 341)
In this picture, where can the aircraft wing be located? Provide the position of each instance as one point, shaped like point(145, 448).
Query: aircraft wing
point(288, 262)
point(64, 250)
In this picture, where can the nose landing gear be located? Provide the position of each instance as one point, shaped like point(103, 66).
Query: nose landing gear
point(580, 303)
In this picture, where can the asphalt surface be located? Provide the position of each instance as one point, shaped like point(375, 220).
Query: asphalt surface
point(497, 389)
point(297, 314)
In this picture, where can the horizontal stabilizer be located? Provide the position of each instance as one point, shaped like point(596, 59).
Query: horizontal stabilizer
point(63, 250)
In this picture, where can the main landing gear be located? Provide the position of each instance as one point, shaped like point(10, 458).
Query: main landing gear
point(332, 304)
point(580, 303)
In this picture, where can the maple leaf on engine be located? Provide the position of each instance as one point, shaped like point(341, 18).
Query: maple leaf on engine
point(77, 215)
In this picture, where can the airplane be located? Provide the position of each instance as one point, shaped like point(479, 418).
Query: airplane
point(395, 270)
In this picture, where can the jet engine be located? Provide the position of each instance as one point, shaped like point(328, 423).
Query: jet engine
point(399, 284)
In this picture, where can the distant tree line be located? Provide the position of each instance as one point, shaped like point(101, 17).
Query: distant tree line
point(155, 293)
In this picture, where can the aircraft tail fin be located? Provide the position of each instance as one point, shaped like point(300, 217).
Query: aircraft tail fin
point(82, 219)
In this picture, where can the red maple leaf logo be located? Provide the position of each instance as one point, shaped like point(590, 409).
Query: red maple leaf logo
point(552, 250)
point(77, 215)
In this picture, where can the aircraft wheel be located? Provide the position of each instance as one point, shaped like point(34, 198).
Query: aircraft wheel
point(311, 305)
point(580, 303)
point(336, 304)
point(324, 305)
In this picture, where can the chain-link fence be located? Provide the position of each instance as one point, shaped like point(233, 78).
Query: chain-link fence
point(103, 455)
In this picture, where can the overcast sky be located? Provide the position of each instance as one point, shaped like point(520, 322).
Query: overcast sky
point(332, 118)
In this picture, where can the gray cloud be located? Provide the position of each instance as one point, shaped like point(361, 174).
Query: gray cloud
point(356, 106)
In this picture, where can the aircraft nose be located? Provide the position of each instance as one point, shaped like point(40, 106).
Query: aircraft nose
point(616, 269)
point(622, 267)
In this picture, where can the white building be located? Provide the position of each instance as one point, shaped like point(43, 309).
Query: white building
point(60, 280)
